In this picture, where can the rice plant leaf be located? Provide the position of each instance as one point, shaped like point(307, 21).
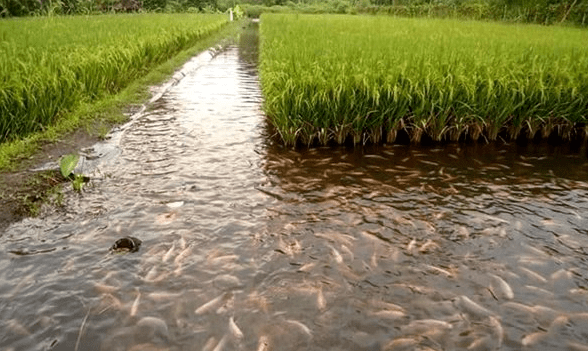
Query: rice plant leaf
point(68, 164)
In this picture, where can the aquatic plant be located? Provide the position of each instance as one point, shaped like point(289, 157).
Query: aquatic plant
point(336, 78)
point(48, 65)
point(67, 165)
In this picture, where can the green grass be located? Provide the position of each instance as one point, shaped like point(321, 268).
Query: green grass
point(50, 65)
point(98, 115)
point(335, 78)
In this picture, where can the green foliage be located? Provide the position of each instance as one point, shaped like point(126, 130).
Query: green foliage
point(67, 165)
point(78, 182)
point(50, 65)
point(336, 78)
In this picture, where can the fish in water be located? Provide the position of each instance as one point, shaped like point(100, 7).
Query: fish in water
point(214, 304)
point(221, 344)
point(234, 329)
point(135, 305)
point(263, 344)
point(472, 308)
point(301, 326)
point(502, 286)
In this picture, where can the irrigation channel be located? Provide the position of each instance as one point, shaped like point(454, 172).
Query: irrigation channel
point(250, 246)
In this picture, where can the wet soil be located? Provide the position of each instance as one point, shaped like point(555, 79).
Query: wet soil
point(22, 191)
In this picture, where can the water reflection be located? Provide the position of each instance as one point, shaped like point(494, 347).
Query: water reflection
point(250, 246)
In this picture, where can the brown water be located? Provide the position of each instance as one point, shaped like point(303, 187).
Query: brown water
point(250, 246)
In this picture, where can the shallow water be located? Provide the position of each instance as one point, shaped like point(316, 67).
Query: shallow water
point(250, 246)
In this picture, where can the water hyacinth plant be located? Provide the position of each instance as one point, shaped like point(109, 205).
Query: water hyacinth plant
point(50, 64)
point(335, 78)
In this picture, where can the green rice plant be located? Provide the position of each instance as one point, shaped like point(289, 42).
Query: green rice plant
point(48, 65)
point(334, 78)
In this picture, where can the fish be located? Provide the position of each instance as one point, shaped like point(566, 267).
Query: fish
point(401, 344)
point(447, 273)
point(534, 338)
point(110, 302)
point(169, 252)
point(342, 239)
point(429, 246)
point(502, 285)
point(16, 328)
point(221, 344)
point(321, 303)
point(162, 296)
point(303, 327)
point(182, 242)
point(537, 290)
point(483, 343)
point(411, 246)
point(386, 305)
point(497, 329)
point(336, 255)
point(533, 275)
point(574, 346)
point(235, 331)
point(176, 204)
point(135, 305)
point(348, 251)
point(472, 308)
point(427, 327)
point(214, 303)
point(210, 344)
point(263, 343)
point(182, 255)
point(389, 314)
point(307, 267)
point(105, 289)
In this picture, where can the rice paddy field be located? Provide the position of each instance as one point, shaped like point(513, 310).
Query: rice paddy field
point(341, 78)
point(48, 65)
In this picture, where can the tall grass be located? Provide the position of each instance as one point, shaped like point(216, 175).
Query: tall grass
point(336, 78)
point(49, 65)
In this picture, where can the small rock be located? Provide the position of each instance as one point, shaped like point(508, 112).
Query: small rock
point(126, 244)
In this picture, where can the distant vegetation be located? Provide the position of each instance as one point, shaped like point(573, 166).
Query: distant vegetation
point(530, 11)
point(12, 8)
point(49, 65)
point(340, 78)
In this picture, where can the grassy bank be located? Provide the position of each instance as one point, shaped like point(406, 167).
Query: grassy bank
point(336, 78)
point(96, 116)
point(50, 65)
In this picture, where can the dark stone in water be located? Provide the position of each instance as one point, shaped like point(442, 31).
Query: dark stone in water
point(126, 244)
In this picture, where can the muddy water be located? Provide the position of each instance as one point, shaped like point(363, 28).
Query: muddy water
point(249, 246)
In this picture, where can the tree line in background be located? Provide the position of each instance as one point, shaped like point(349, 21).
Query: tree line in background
point(17, 8)
point(529, 11)
point(522, 11)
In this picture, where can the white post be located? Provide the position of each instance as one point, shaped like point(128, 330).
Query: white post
point(231, 15)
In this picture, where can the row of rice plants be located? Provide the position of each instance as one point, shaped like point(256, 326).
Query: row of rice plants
point(49, 65)
point(333, 77)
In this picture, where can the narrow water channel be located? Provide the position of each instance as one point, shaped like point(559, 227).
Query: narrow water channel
point(251, 246)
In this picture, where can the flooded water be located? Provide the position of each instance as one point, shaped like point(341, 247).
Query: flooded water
point(251, 246)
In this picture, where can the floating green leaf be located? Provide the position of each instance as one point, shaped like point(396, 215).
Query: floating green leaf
point(68, 164)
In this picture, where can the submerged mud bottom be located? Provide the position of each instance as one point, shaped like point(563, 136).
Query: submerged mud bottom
point(250, 246)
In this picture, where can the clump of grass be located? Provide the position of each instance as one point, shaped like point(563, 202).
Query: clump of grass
point(329, 78)
point(49, 65)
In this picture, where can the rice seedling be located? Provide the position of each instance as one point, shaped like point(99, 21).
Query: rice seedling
point(337, 78)
point(48, 65)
